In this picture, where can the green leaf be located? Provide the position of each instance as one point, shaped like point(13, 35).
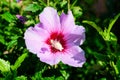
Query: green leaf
point(21, 78)
point(77, 11)
point(113, 37)
point(100, 57)
point(64, 74)
point(29, 22)
point(108, 35)
point(2, 78)
point(11, 44)
point(4, 66)
point(63, 3)
point(37, 76)
point(32, 7)
point(112, 22)
point(8, 17)
point(60, 78)
point(118, 65)
point(43, 3)
point(94, 26)
point(4, 2)
point(2, 40)
point(72, 5)
point(105, 36)
point(115, 67)
point(102, 79)
point(19, 61)
point(49, 78)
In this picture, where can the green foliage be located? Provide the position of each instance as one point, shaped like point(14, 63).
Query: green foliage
point(38, 75)
point(106, 33)
point(33, 7)
point(8, 17)
point(111, 40)
point(4, 67)
point(110, 36)
point(118, 66)
point(77, 11)
point(11, 43)
point(100, 57)
point(64, 74)
point(21, 78)
point(19, 61)
point(63, 3)
point(112, 22)
point(94, 26)
point(2, 40)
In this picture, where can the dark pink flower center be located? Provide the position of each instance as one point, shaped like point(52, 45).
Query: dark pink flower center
point(56, 42)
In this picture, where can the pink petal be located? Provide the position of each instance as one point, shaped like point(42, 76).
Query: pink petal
point(50, 19)
point(74, 56)
point(49, 58)
point(34, 39)
point(67, 22)
point(77, 36)
point(21, 18)
point(39, 26)
point(79, 30)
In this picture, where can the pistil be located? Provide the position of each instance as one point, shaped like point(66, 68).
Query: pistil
point(56, 44)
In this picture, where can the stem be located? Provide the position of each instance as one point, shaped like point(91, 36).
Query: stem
point(68, 4)
point(63, 9)
point(111, 56)
point(48, 2)
point(9, 4)
point(43, 3)
point(115, 68)
point(73, 3)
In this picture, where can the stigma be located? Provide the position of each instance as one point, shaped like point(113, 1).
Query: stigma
point(57, 45)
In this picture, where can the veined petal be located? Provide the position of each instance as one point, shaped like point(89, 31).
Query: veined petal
point(50, 19)
point(49, 57)
point(34, 39)
point(77, 36)
point(79, 30)
point(55, 40)
point(39, 26)
point(74, 56)
point(67, 22)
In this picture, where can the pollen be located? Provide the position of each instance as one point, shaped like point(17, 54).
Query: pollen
point(56, 44)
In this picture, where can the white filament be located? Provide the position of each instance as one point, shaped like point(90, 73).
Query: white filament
point(56, 44)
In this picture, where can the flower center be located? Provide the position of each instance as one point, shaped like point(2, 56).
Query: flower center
point(56, 42)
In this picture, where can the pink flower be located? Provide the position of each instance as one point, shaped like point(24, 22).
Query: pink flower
point(21, 18)
point(56, 39)
point(18, 1)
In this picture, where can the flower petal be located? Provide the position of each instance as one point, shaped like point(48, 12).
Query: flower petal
point(50, 19)
point(79, 30)
point(67, 22)
point(77, 36)
point(49, 58)
point(74, 56)
point(34, 39)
